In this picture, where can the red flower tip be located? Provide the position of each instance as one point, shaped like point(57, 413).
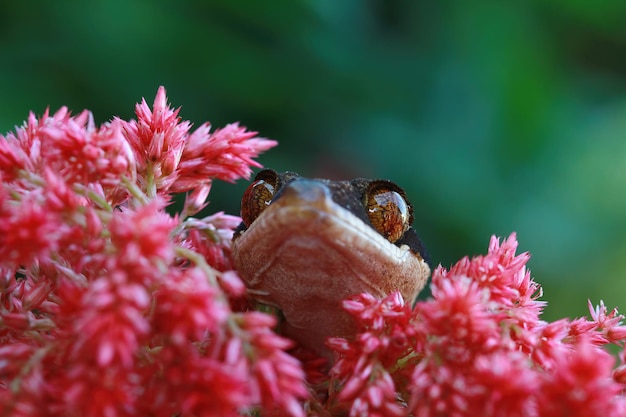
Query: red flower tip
point(179, 161)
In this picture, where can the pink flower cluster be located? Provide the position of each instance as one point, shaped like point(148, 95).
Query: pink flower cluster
point(477, 348)
point(110, 306)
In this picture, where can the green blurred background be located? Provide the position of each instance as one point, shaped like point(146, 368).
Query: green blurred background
point(494, 116)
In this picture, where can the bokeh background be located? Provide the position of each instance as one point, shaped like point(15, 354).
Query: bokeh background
point(495, 116)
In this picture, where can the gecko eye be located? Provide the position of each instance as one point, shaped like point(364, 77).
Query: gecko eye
point(388, 210)
point(258, 196)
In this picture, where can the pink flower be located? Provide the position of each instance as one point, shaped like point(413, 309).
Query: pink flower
point(172, 160)
point(112, 325)
point(146, 245)
point(608, 324)
point(157, 138)
point(476, 348)
point(363, 367)
point(278, 382)
point(187, 307)
point(72, 147)
point(83, 154)
point(180, 379)
point(505, 277)
point(211, 236)
point(580, 385)
point(28, 230)
point(463, 320)
point(111, 306)
point(226, 154)
point(504, 384)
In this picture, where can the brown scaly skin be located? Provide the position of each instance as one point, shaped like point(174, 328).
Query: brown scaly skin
point(312, 245)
